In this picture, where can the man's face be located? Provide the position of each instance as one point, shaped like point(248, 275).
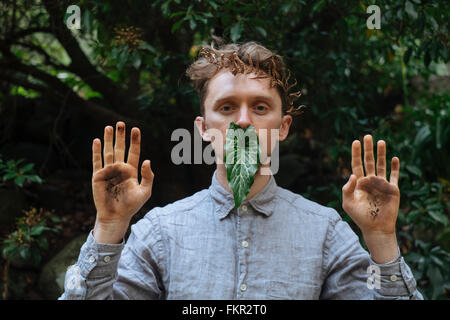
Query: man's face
point(247, 102)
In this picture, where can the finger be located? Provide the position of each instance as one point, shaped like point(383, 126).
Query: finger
point(135, 148)
point(119, 147)
point(369, 160)
point(348, 189)
point(381, 159)
point(108, 154)
point(147, 178)
point(395, 171)
point(96, 155)
point(357, 167)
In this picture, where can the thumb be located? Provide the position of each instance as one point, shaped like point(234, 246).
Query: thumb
point(147, 178)
point(348, 189)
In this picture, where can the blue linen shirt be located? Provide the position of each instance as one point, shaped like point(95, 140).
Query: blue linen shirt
point(276, 245)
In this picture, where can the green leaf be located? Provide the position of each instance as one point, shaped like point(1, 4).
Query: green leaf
point(262, 31)
point(34, 178)
point(422, 135)
point(165, 8)
point(177, 25)
point(176, 14)
point(414, 170)
point(409, 8)
point(318, 6)
point(27, 167)
point(242, 157)
point(55, 219)
point(9, 175)
point(24, 253)
point(43, 244)
point(37, 230)
point(236, 31)
point(438, 216)
point(192, 23)
point(19, 180)
point(6, 251)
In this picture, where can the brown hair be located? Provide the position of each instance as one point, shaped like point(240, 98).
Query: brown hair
point(243, 58)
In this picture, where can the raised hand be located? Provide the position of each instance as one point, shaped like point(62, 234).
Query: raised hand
point(117, 193)
point(370, 200)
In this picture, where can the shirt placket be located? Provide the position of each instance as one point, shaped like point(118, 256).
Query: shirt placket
point(242, 245)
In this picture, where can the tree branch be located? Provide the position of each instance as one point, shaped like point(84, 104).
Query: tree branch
point(47, 58)
point(80, 64)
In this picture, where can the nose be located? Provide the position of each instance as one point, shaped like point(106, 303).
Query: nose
point(244, 120)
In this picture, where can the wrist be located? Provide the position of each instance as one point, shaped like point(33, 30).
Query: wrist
point(382, 247)
point(111, 232)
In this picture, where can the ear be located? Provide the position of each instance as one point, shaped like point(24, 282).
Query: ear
point(201, 127)
point(285, 125)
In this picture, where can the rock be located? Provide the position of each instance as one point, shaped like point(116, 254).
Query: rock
point(51, 281)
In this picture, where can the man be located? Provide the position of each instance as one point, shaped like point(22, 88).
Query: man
point(275, 245)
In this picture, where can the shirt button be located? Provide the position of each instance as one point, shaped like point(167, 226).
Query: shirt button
point(245, 244)
point(244, 208)
point(243, 287)
point(107, 259)
point(393, 278)
point(91, 259)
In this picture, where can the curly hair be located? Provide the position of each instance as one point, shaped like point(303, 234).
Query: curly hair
point(243, 58)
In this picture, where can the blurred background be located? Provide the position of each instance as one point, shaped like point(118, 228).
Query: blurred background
point(60, 87)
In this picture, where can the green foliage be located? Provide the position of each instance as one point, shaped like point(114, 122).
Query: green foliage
point(13, 170)
point(28, 241)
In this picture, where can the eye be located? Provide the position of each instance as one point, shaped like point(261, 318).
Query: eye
point(261, 108)
point(226, 108)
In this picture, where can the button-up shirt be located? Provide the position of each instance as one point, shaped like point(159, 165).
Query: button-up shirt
point(276, 245)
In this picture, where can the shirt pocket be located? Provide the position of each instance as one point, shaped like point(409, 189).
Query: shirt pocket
point(281, 290)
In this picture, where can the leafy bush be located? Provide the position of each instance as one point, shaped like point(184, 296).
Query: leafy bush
point(28, 240)
point(19, 174)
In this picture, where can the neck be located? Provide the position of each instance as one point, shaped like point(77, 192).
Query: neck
point(258, 184)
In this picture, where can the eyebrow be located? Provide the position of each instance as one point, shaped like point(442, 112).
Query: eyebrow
point(258, 97)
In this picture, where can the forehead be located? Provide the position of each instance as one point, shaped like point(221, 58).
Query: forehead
point(225, 84)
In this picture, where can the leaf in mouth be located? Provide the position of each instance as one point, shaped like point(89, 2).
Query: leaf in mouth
point(242, 158)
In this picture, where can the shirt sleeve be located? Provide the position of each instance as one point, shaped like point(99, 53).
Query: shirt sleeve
point(350, 273)
point(118, 271)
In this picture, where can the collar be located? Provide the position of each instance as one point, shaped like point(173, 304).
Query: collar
point(223, 201)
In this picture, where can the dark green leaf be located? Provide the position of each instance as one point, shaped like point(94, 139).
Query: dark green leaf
point(409, 8)
point(192, 23)
point(24, 252)
point(27, 167)
point(176, 14)
point(236, 31)
point(9, 175)
point(19, 180)
point(177, 25)
point(414, 170)
point(261, 31)
point(438, 216)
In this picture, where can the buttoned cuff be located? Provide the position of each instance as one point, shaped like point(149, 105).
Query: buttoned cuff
point(98, 260)
point(396, 278)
